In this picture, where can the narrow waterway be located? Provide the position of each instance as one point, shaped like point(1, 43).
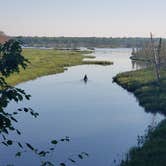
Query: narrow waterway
point(99, 116)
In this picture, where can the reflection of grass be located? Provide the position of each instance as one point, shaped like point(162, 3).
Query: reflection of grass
point(140, 58)
point(153, 98)
point(97, 62)
point(45, 62)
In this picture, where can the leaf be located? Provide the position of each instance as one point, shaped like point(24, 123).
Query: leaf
point(18, 132)
point(73, 161)
point(18, 154)
point(12, 128)
point(20, 97)
point(9, 142)
point(5, 131)
point(54, 142)
point(5, 143)
point(42, 153)
point(27, 97)
point(19, 144)
point(80, 156)
point(15, 113)
point(26, 109)
point(29, 146)
point(14, 119)
point(3, 137)
point(86, 154)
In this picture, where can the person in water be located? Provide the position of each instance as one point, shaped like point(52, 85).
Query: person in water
point(85, 78)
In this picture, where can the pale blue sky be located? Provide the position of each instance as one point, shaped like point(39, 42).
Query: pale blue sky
point(103, 18)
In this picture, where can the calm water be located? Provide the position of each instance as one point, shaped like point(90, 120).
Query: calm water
point(100, 117)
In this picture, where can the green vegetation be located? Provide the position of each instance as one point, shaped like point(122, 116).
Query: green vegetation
point(153, 151)
point(149, 86)
point(145, 87)
point(88, 42)
point(97, 62)
point(12, 61)
point(152, 96)
point(45, 62)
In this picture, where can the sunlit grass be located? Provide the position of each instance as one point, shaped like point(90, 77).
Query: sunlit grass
point(152, 96)
point(45, 62)
point(98, 62)
point(143, 84)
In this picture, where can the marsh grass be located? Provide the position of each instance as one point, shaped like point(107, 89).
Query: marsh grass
point(153, 151)
point(97, 62)
point(152, 97)
point(52, 61)
point(45, 62)
point(143, 84)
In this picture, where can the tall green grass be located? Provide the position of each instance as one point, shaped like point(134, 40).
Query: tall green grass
point(143, 84)
point(45, 62)
point(152, 96)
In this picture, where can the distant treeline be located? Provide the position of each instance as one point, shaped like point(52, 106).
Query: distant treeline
point(76, 42)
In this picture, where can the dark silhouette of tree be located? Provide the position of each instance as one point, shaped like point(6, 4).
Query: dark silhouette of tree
point(11, 60)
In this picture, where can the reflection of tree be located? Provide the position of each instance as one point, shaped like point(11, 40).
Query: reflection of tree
point(10, 62)
point(136, 64)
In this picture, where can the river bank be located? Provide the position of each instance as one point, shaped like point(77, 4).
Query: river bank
point(49, 61)
point(86, 112)
point(152, 97)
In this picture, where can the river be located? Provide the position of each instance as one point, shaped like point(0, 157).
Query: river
point(100, 117)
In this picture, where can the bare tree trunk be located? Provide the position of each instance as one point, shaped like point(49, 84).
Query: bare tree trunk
point(159, 53)
point(155, 60)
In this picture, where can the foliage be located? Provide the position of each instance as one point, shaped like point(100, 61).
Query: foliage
point(151, 148)
point(153, 52)
point(153, 151)
point(11, 60)
point(97, 62)
point(145, 87)
point(45, 62)
point(76, 42)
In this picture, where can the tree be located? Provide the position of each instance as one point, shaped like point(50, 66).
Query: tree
point(11, 60)
point(153, 52)
point(156, 56)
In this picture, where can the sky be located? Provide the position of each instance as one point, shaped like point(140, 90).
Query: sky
point(100, 18)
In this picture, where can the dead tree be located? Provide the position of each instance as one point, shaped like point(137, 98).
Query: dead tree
point(159, 53)
point(155, 56)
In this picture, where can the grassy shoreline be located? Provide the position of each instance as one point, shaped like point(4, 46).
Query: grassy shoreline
point(153, 98)
point(144, 86)
point(46, 62)
point(153, 150)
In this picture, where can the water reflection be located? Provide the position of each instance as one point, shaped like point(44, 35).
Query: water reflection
point(101, 118)
point(136, 65)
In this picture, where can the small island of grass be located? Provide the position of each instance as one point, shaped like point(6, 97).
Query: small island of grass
point(98, 62)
